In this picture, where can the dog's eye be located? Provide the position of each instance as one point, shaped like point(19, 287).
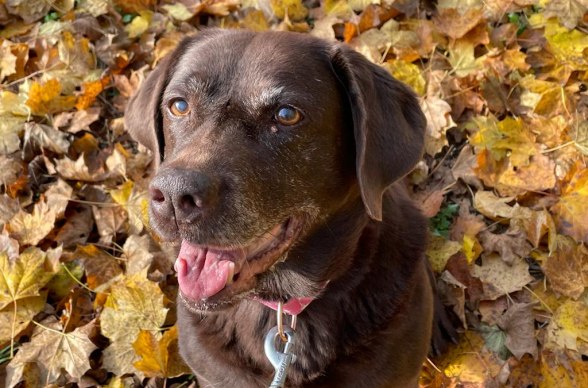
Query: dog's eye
point(287, 115)
point(179, 107)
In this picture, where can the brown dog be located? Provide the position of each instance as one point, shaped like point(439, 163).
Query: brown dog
point(276, 159)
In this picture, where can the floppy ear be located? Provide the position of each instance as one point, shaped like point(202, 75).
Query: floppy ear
point(388, 125)
point(143, 117)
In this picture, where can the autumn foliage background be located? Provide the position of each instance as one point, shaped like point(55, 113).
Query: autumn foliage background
point(87, 292)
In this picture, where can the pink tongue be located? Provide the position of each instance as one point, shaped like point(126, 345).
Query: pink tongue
point(202, 273)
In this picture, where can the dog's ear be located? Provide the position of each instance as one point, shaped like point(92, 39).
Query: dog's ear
point(388, 125)
point(143, 117)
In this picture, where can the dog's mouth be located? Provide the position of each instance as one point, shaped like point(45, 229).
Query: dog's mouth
point(207, 273)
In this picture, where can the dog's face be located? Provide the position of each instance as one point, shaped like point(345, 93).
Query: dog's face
point(258, 138)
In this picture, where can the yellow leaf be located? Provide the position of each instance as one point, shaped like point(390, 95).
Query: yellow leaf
point(178, 11)
point(440, 250)
point(134, 304)
point(29, 228)
point(506, 138)
point(47, 99)
point(136, 204)
point(470, 362)
point(22, 277)
point(408, 73)
point(157, 354)
point(471, 248)
point(16, 316)
point(568, 326)
point(557, 370)
point(139, 25)
point(295, 10)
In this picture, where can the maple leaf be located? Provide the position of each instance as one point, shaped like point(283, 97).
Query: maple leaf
point(137, 255)
point(136, 204)
point(30, 228)
point(91, 90)
point(134, 304)
point(53, 350)
point(24, 276)
point(16, 316)
point(159, 354)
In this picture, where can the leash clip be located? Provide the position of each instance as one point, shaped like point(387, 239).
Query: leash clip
point(280, 359)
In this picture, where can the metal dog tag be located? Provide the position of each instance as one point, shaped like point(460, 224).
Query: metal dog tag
point(281, 361)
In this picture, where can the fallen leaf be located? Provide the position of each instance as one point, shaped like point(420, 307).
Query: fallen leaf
point(100, 267)
point(158, 354)
point(52, 351)
point(568, 328)
point(24, 276)
point(572, 209)
point(10, 129)
point(137, 255)
point(511, 245)
point(46, 98)
point(518, 324)
point(30, 228)
point(567, 267)
point(437, 112)
point(46, 137)
point(500, 278)
point(16, 316)
point(58, 196)
point(134, 304)
point(440, 250)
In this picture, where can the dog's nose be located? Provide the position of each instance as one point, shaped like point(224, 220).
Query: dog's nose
point(185, 194)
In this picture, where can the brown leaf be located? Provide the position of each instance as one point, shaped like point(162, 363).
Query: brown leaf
point(101, 268)
point(456, 24)
point(567, 267)
point(500, 278)
point(52, 351)
point(519, 325)
point(511, 245)
point(30, 228)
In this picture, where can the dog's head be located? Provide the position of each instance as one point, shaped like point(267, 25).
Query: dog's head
point(259, 137)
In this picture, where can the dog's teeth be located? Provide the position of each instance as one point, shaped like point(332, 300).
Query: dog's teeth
point(231, 273)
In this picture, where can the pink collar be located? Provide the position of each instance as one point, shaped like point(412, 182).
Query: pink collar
point(294, 306)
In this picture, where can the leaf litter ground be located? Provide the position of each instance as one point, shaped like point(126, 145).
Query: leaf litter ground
point(87, 291)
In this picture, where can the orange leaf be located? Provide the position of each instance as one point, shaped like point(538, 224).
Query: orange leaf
point(91, 90)
point(47, 99)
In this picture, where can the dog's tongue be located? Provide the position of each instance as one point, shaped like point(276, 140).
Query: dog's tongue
point(202, 272)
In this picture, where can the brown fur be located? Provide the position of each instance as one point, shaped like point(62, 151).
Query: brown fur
point(338, 169)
